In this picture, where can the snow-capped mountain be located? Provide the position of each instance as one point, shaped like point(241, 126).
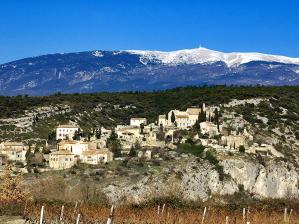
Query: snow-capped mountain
point(133, 70)
point(204, 55)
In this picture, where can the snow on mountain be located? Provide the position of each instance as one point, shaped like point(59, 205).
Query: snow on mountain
point(97, 54)
point(203, 55)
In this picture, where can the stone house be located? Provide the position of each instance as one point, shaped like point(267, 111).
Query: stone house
point(105, 133)
point(66, 132)
point(14, 151)
point(97, 156)
point(234, 141)
point(60, 160)
point(209, 128)
point(183, 119)
point(162, 120)
point(75, 147)
point(193, 113)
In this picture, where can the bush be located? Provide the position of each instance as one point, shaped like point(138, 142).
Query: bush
point(241, 148)
point(211, 158)
point(196, 150)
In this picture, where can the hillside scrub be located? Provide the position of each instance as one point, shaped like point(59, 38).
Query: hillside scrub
point(95, 110)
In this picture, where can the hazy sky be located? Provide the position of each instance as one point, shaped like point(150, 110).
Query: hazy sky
point(35, 27)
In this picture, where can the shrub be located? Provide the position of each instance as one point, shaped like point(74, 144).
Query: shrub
point(211, 158)
point(241, 148)
point(196, 150)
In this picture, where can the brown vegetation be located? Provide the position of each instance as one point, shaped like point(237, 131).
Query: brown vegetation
point(155, 214)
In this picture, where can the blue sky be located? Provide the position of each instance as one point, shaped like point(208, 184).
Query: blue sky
point(36, 27)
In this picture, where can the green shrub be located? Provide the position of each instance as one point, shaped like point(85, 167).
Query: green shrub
point(241, 148)
point(196, 150)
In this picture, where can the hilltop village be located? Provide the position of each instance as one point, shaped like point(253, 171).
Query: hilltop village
point(210, 127)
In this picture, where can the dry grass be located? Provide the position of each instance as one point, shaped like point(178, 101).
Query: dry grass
point(149, 215)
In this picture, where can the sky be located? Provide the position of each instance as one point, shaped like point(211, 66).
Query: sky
point(36, 27)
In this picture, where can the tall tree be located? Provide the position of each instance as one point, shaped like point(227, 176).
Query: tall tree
point(216, 118)
point(77, 135)
point(172, 117)
point(98, 133)
point(113, 143)
point(141, 128)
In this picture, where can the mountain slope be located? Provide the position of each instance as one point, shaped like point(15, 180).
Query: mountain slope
point(95, 71)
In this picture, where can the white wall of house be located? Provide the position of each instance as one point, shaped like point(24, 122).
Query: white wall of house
point(66, 131)
point(138, 121)
point(95, 157)
point(162, 120)
point(75, 147)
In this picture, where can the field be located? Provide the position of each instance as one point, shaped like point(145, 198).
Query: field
point(152, 214)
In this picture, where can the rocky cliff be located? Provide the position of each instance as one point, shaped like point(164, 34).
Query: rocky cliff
point(198, 180)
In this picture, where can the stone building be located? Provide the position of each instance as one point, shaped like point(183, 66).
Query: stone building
point(14, 151)
point(75, 147)
point(97, 156)
point(180, 119)
point(209, 128)
point(60, 160)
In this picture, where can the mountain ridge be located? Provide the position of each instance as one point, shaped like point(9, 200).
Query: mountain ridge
point(134, 70)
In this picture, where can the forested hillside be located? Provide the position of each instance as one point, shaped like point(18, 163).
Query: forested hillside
point(25, 117)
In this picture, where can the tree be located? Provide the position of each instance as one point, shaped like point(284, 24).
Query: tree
point(114, 144)
point(36, 150)
point(28, 153)
point(241, 148)
point(196, 126)
point(134, 149)
point(141, 128)
point(132, 152)
point(98, 133)
point(37, 159)
point(172, 117)
point(35, 119)
point(52, 136)
point(10, 187)
point(161, 127)
point(115, 147)
point(202, 117)
point(77, 135)
point(216, 118)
